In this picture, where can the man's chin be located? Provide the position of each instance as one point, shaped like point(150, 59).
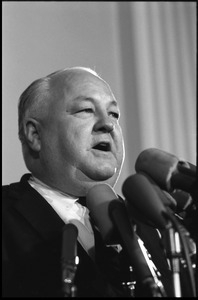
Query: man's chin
point(101, 174)
point(91, 178)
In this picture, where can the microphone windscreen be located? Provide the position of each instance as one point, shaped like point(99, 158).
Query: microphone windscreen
point(159, 165)
point(98, 199)
point(144, 196)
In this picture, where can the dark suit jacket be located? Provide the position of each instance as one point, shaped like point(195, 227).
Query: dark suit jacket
point(32, 243)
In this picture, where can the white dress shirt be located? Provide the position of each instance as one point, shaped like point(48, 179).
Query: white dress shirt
point(70, 211)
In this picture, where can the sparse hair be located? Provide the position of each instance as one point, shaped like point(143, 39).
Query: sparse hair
point(37, 94)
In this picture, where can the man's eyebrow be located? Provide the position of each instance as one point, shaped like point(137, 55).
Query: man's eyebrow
point(90, 99)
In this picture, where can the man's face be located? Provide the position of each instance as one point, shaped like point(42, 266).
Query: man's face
point(79, 147)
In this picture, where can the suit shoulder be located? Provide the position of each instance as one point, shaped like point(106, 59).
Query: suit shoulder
point(9, 189)
point(11, 192)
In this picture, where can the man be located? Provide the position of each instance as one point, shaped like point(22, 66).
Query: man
point(71, 141)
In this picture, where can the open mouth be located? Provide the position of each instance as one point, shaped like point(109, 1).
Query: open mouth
point(103, 146)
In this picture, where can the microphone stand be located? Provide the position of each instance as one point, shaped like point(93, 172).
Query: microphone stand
point(174, 254)
point(68, 275)
point(70, 259)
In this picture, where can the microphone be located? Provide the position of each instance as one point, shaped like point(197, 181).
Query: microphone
point(167, 170)
point(143, 201)
point(145, 196)
point(69, 259)
point(98, 200)
point(148, 199)
point(111, 217)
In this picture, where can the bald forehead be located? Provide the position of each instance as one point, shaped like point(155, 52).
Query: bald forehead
point(74, 80)
point(67, 77)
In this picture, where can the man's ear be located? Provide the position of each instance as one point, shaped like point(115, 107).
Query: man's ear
point(32, 133)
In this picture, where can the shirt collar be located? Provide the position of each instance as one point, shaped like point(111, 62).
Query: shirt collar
point(48, 189)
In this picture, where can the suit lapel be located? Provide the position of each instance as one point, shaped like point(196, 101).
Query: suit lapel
point(39, 214)
point(36, 210)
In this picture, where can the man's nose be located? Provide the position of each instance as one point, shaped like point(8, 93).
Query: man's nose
point(104, 125)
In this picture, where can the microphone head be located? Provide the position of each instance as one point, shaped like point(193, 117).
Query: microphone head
point(159, 165)
point(98, 199)
point(143, 199)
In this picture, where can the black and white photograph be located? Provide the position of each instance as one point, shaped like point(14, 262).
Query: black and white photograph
point(99, 149)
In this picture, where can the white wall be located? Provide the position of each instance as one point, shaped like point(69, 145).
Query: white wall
point(146, 51)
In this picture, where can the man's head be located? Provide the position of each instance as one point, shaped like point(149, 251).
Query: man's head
point(69, 129)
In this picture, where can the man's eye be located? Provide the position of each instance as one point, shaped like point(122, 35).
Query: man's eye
point(86, 110)
point(114, 115)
